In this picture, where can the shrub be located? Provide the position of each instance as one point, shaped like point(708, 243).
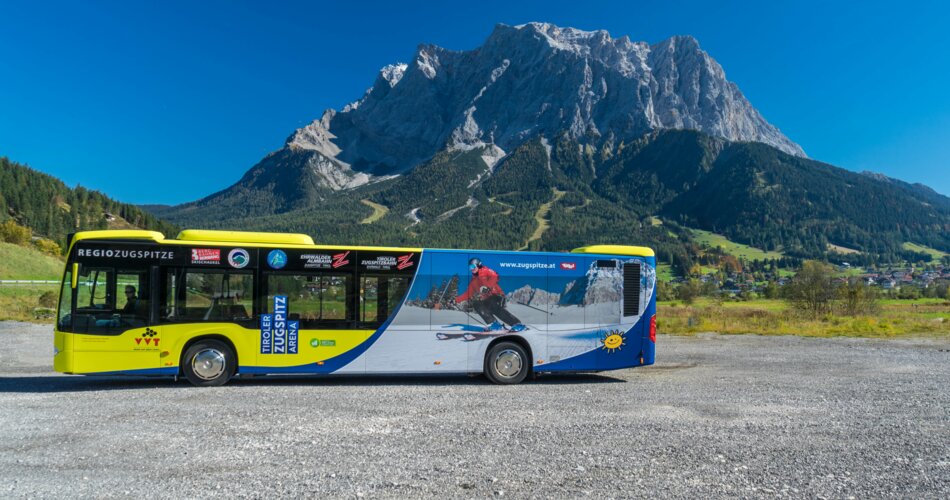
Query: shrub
point(48, 247)
point(856, 298)
point(687, 292)
point(664, 291)
point(48, 299)
point(811, 290)
point(11, 232)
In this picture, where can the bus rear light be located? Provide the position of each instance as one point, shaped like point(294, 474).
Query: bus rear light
point(653, 328)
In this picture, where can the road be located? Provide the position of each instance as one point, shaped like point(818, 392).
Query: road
point(716, 416)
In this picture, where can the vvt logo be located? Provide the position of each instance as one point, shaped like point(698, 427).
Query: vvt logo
point(568, 266)
point(149, 337)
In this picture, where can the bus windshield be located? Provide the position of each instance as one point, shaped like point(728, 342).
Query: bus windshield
point(106, 300)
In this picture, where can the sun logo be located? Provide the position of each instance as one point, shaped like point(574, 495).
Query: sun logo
point(613, 340)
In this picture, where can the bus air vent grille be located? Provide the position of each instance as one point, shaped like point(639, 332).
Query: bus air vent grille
point(631, 289)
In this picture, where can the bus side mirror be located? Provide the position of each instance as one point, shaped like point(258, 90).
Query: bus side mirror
point(75, 280)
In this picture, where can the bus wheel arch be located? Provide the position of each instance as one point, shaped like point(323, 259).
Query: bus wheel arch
point(216, 358)
point(502, 357)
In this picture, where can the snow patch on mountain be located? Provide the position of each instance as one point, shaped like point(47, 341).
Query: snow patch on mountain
point(393, 73)
point(427, 60)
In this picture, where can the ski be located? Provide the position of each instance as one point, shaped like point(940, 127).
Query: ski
point(472, 336)
point(449, 336)
point(472, 332)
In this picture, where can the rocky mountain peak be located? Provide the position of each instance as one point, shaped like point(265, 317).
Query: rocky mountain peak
point(526, 81)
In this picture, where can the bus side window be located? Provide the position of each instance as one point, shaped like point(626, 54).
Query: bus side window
point(380, 296)
point(316, 300)
point(65, 315)
point(193, 295)
point(370, 299)
point(170, 284)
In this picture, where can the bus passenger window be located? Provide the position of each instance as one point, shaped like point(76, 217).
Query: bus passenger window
point(206, 295)
point(379, 297)
point(369, 298)
point(169, 307)
point(312, 299)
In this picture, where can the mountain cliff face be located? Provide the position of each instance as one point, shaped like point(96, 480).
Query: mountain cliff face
point(523, 82)
point(539, 79)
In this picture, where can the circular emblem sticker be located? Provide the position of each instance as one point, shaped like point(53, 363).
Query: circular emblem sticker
point(277, 259)
point(238, 257)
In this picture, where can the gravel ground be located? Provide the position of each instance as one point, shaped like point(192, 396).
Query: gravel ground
point(717, 416)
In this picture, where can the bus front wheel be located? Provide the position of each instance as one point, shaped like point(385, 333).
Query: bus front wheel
point(208, 363)
point(507, 363)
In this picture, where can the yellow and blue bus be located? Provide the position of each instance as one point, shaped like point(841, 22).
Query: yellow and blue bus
point(212, 305)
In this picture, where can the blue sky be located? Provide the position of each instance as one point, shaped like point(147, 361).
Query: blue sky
point(166, 102)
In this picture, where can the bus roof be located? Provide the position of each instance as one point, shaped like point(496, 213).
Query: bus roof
point(223, 238)
point(262, 239)
point(616, 250)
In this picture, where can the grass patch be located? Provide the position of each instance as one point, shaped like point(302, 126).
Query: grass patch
point(22, 263)
point(714, 240)
point(541, 217)
point(379, 211)
point(664, 273)
point(934, 253)
point(774, 317)
point(842, 250)
point(21, 303)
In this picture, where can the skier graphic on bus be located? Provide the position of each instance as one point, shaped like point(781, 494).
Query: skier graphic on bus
point(487, 299)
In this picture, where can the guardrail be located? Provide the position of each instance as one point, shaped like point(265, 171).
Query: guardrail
point(28, 282)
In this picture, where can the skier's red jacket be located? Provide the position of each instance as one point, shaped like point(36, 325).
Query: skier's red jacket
point(483, 277)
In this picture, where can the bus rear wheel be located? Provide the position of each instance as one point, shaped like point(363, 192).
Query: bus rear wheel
point(208, 363)
point(507, 363)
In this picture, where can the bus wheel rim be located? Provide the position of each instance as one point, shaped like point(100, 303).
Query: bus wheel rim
point(508, 363)
point(208, 364)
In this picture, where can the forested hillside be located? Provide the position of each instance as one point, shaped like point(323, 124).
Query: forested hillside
point(559, 194)
point(52, 209)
